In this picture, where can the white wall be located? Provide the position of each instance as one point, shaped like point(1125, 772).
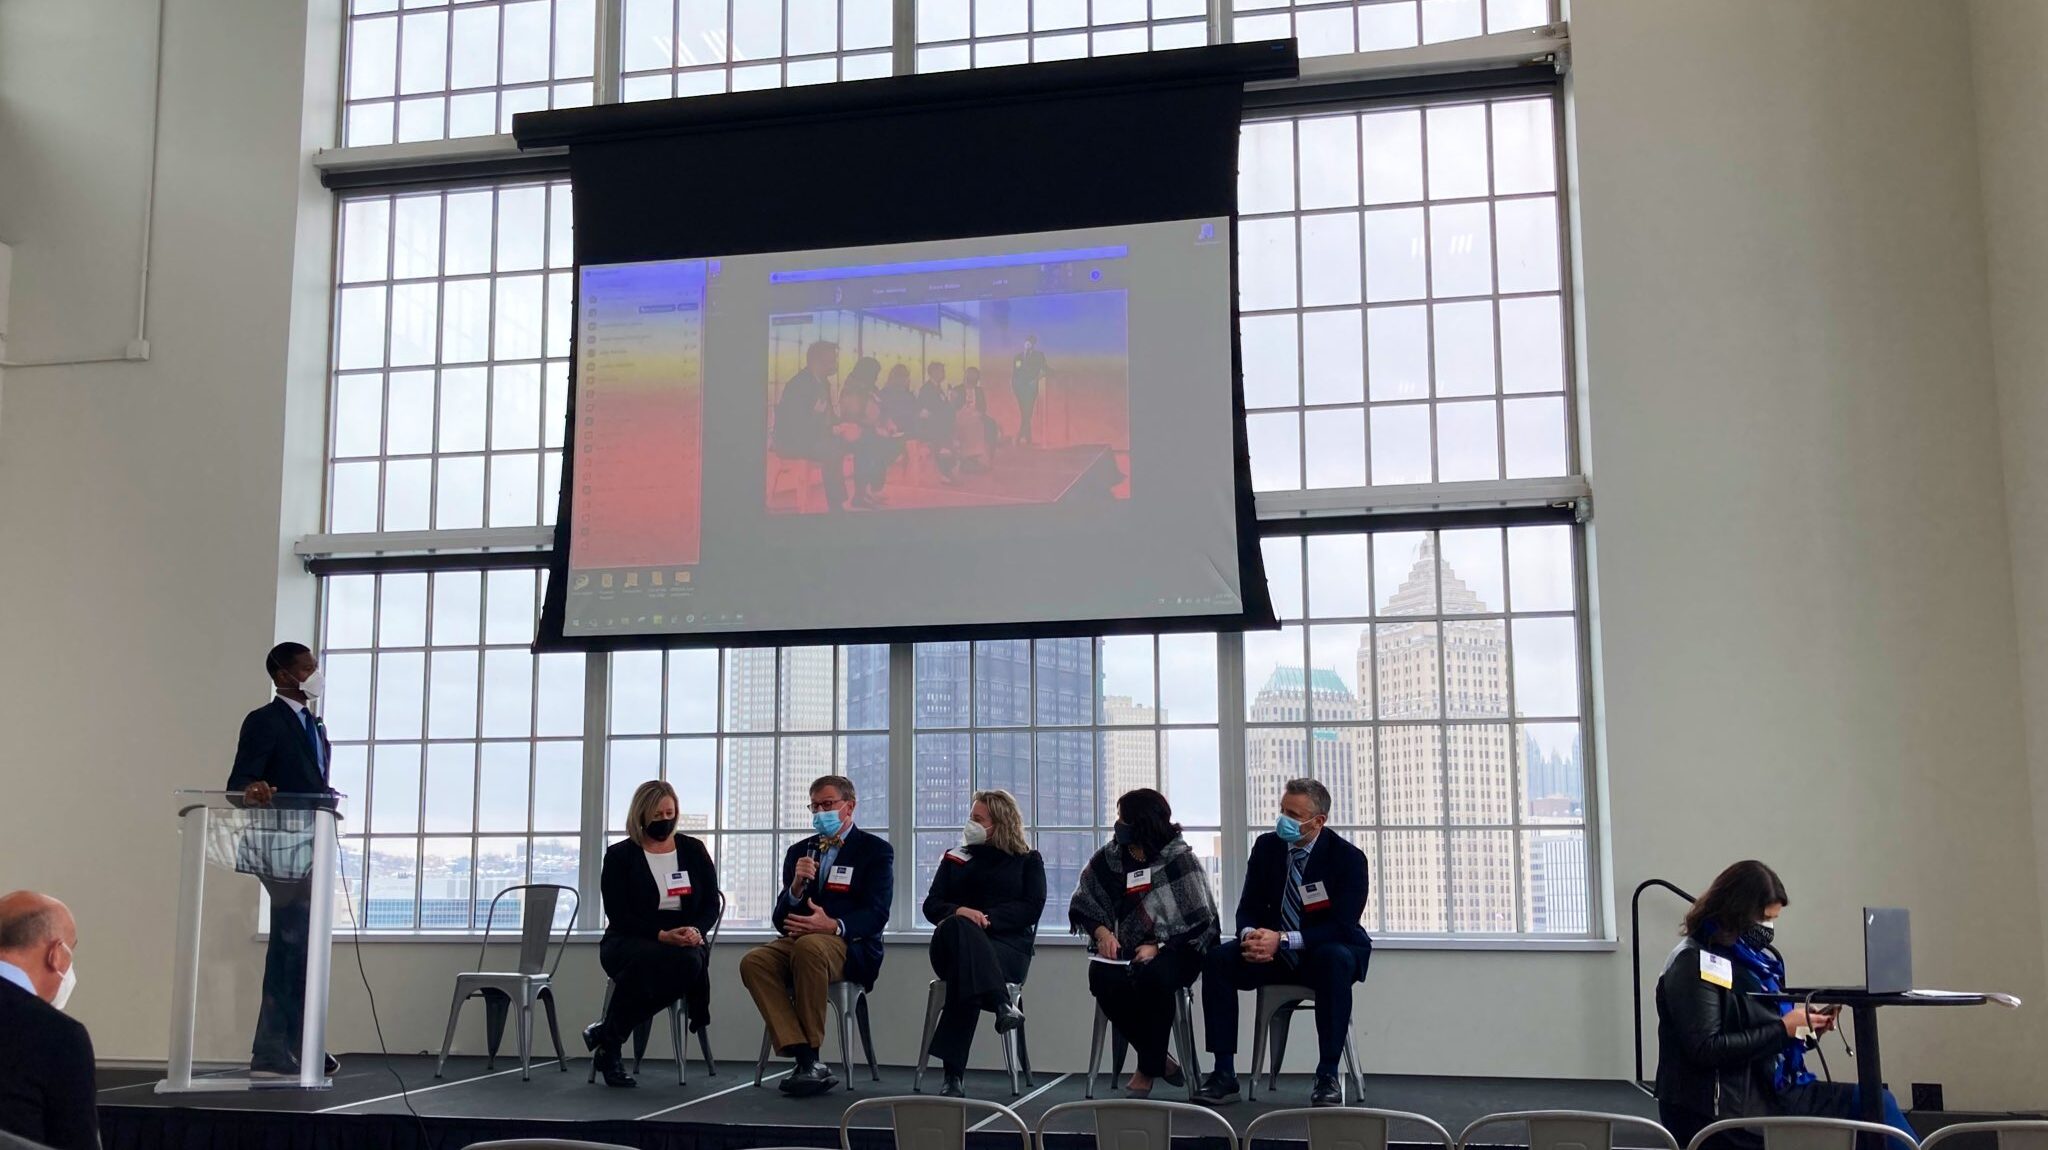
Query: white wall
point(1806, 630)
point(2011, 57)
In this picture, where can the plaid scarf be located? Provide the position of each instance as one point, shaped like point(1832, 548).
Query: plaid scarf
point(1180, 908)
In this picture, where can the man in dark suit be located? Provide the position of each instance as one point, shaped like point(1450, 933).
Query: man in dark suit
point(805, 426)
point(1297, 922)
point(46, 1063)
point(836, 891)
point(284, 750)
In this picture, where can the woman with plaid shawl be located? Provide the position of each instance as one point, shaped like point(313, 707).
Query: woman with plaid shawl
point(1145, 900)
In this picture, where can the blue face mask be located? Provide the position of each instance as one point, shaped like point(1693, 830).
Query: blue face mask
point(826, 823)
point(1288, 828)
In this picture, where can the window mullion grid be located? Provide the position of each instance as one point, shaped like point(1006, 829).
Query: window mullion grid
point(597, 671)
point(902, 760)
point(1231, 733)
point(426, 711)
point(1500, 411)
point(1443, 738)
point(440, 354)
point(490, 341)
point(1523, 921)
point(608, 52)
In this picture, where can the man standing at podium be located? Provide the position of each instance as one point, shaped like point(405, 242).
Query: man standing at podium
point(284, 749)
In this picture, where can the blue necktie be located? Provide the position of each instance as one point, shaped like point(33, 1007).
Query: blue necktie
point(313, 739)
point(1290, 899)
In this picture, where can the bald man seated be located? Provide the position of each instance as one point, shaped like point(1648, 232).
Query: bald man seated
point(46, 1064)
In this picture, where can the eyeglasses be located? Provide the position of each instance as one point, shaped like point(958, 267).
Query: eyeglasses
point(825, 806)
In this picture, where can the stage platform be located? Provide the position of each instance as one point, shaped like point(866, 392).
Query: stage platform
point(714, 1112)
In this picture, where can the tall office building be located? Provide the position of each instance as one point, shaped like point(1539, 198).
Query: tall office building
point(1339, 757)
point(1130, 758)
point(1429, 670)
point(1557, 890)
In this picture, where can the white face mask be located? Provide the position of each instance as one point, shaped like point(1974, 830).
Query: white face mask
point(974, 834)
point(315, 684)
point(68, 984)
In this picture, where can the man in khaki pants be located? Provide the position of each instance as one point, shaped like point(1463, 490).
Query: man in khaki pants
point(836, 890)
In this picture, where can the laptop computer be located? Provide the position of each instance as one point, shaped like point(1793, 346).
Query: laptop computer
point(1887, 950)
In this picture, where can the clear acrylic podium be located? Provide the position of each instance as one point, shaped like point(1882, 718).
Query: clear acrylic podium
point(227, 847)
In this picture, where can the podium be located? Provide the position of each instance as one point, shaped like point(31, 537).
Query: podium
point(227, 845)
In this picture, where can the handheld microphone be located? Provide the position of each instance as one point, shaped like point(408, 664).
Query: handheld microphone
point(803, 885)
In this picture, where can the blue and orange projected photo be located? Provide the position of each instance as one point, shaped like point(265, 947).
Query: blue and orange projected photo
point(975, 382)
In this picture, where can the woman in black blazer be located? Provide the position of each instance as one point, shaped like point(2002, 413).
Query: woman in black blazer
point(660, 902)
point(985, 901)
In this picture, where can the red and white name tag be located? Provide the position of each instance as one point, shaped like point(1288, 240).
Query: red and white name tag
point(1315, 896)
point(840, 879)
point(958, 855)
point(1138, 881)
point(678, 883)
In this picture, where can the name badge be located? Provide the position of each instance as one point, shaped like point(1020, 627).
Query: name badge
point(1138, 881)
point(678, 883)
point(1315, 896)
point(841, 878)
point(958, 855)
point(1717, 970)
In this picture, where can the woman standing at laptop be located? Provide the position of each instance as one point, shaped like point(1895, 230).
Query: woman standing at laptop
point(1724, 1052)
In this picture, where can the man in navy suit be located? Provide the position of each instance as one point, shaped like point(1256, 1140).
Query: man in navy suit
point(834, 902)
point(1297, 922)
point(283, 750)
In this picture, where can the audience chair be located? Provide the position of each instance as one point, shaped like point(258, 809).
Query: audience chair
point(1349, 1127)
point(927, 1123)
point(1134, 1123)
point(530, 982)
point(1570, 1129)
point(1805, 1133)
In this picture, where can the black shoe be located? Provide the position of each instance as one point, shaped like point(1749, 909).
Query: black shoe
point(609, 1065)
point(807, 1081)
point(1326, 1092)
point(1218, 1089)
point(1008, 1018)
point(955, 1087)
point(333, 1065)
point(1174, 1075)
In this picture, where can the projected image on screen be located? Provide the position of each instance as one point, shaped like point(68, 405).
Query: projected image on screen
point(1021, 396)
point(967, 431)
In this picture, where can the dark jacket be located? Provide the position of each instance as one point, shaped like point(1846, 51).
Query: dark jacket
point(632, 901)
point(1335, 863)
point(803, 415)
point(46, 1067)
point(1716, 1046)
point(1009, 889)
point(863, 908)
point(273, 749)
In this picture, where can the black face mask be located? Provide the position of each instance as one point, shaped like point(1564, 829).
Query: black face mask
point(1124, 833)
point(1760, 936)
point(660, 829)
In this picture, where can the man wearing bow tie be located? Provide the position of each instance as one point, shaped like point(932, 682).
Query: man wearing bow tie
point(283, 750)
point(834, 902)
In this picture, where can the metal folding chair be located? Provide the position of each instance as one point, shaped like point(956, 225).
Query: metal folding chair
point(925, 1123)
point(678, 1018)
point(1804, 1133)
point(1183, 1036)
point(849, 1002)
point(530, 982)
point(1134, 1123)
point(1273, 1015)
point(1570, 1129)
point(1016, 1052)
point(1348, 1127)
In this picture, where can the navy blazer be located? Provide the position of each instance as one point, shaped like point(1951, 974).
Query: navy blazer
point(273, 749)
point(46, 1065)
point(863, 908)
point(1333, 862)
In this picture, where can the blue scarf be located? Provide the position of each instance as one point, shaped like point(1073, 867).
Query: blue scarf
point(1789, 1068)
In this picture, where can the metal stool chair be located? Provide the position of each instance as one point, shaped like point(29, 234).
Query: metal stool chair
point(678, 1015)
point(530, 982)
point(849, 1002)
point(1274, 1014)
point(1804, 1133)
point(1134, 1123)
point(1184, 1039)
point(1348, 1127)
point(1570, 1129)
point(1016, 1051)
point(932, 1123)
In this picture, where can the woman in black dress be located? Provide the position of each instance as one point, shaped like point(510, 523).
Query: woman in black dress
point(985, 901)
point(661, 902)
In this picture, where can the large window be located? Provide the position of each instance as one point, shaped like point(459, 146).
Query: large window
point(1066, 725)
point(1431, 681)
point(1400, 277)
point(1402, 280)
